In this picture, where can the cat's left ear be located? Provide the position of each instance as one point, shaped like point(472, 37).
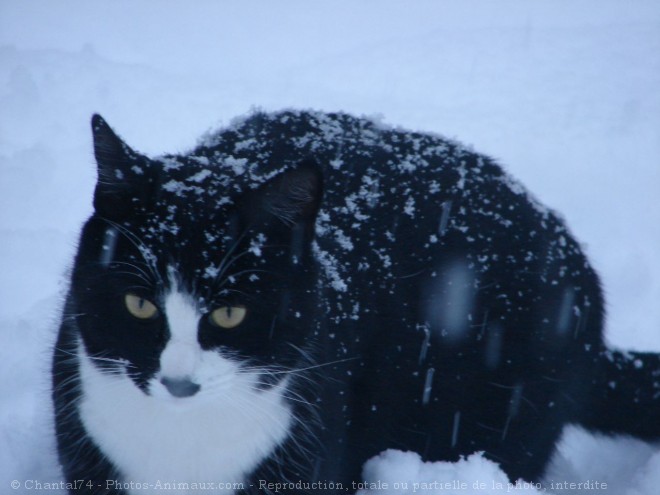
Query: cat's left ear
point(121, 173)
point(294, 196)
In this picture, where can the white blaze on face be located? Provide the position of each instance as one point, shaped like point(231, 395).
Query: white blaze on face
point(182, 354)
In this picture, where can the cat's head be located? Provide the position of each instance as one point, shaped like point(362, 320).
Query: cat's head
point(193, 274)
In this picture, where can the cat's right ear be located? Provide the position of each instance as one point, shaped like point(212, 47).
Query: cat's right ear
point(292, 197)
point(119, 167)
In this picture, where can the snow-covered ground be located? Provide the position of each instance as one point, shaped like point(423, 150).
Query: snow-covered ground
point(564, 93)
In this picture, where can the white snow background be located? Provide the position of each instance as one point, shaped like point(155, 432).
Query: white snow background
point(565, 94)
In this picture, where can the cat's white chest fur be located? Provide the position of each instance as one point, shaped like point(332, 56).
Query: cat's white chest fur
point(217, 436)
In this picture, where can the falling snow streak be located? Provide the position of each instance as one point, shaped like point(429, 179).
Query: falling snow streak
point(582, 318)
point(428, 386)
point(425, 343)
point(109, 246)
point(455, 428)
point(451, 301)
point(444, 218)
point(514, 406)
point(564, 316)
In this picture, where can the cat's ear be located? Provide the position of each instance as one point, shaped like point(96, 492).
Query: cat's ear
point(294, 196)
point(119, 167)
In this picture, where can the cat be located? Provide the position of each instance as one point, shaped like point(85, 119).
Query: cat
point(305, 290)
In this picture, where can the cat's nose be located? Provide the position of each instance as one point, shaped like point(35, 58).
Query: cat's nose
point(180, 387)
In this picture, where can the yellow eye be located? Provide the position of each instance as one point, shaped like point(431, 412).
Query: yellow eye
point(140, 307)
point(228, 316)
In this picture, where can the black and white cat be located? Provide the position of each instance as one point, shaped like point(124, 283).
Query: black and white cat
point(304, 291)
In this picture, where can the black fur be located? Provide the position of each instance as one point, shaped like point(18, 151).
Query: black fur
point(449, 311)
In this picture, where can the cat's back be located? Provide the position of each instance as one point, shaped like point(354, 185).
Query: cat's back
point(396, 200)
